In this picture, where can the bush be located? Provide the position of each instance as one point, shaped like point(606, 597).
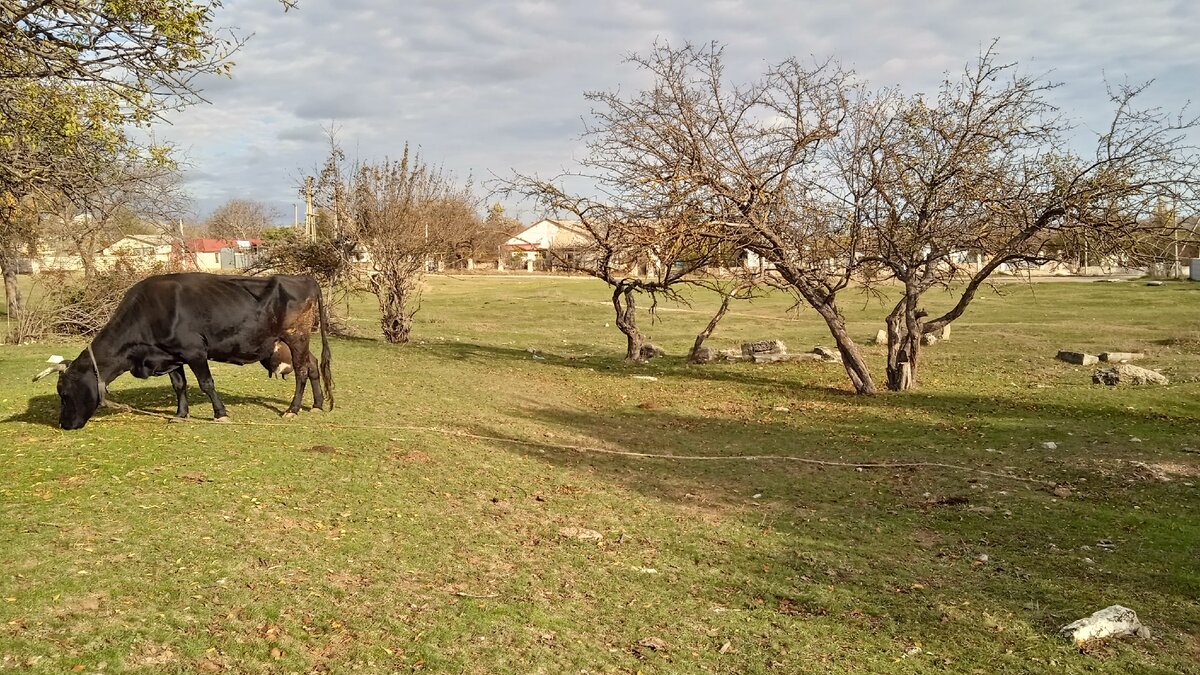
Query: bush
point(74, 306)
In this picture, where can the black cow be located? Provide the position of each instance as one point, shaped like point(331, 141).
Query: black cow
point(168, 321)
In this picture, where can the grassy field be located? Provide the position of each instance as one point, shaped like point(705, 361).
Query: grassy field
point(352, 541)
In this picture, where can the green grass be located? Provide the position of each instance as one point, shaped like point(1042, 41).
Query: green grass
point(155, 547)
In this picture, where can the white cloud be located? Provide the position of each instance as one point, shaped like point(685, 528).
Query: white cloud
point(493, 86)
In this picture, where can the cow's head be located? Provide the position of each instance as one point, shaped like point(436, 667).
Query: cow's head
point(78, 391)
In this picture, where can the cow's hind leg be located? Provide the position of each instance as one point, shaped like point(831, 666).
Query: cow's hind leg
point(298, 344)
point(205, 380)
point(314, 379)
point(179, 384)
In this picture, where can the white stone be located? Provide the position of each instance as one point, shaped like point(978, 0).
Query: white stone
point(1119, 357)
point(1114, 621)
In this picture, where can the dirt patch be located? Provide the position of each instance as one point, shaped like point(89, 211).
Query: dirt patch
point(926, 538)
point(411, 456)
point(83, 604)
point(150, 654)
point(1167, 471)
point(348, 581)
point(1192, 645)
point(791, 607)
point(322, 449)
point(286, 523)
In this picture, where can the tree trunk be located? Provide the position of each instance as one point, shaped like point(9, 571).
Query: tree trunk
point(708, 330)
point(12, 292)
point(626, 309)
point(904, 328)
point(903, 352)
point(89, 264)
point(395, 318)
point(852, 360)
point(12, 296)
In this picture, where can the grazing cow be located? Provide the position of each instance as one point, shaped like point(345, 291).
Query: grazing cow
point(168, 321)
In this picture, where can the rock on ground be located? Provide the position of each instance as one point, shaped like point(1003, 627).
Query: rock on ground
point(705, 355)
point(880, 338)
point(750, 349)
point(827, 354)
point(732, 354)
point(1114, 621)
point(783, 358)
point(1078, 358)
point(650, 351)
point(1118, 357)
point(1123, 373)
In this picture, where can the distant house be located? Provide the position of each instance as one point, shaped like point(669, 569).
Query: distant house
point(143, 247)
point(214, 255)
point(547, 244)
point(55, 261)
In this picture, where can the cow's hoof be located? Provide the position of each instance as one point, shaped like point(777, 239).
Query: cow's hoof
point(288, 415)
point(315, 409)
point(222, 420)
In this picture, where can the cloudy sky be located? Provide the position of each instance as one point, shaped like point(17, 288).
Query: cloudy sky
point(486, 87)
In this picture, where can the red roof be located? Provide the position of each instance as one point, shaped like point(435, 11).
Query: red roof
point(215, 245)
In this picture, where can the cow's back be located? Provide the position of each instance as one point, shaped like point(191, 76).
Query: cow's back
point(228, 318)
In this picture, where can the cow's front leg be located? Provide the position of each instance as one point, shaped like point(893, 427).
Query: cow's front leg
point(179, 384)
point(205, 380)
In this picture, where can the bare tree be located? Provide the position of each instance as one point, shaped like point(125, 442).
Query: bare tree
point(403, 216)
point(241, 219)
point(131, 193)
point(741, 156)
point(638, 244)
point(73, 76)
point(943, 193)
point(740, 283)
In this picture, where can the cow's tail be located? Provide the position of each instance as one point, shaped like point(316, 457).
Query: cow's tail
point(326, 373)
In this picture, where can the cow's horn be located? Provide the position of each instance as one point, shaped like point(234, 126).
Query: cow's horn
point(56, 368)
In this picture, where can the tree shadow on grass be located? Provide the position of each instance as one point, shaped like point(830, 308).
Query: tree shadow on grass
point(903, 544)
point(43, 409)
point(780, 376)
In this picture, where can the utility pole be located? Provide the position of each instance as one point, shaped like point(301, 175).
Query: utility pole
point(337, 210)
point(310, 217)
point(1175, 271)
